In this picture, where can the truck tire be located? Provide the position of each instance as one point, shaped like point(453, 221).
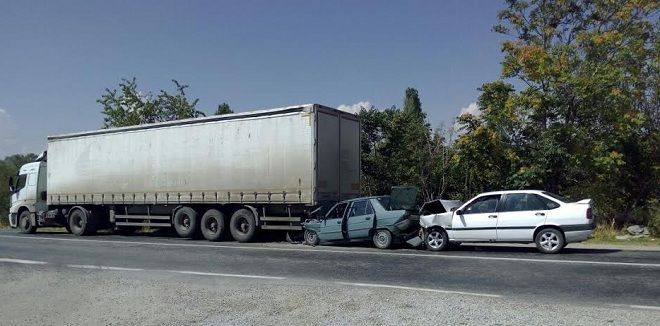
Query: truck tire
point(186, 222)
point(81, 223)
point(243, 225)
point(24, 223)
point(213, 225)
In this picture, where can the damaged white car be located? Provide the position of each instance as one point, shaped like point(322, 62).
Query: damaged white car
point(518, 216)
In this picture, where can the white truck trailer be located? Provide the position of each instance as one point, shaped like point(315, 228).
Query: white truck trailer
point(239, 172)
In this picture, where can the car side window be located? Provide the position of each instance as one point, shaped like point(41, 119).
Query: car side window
point(337, 211)
point(549, 204)
point(484, 204)
point(20, 182)
point(358, 208)
point(368, 209)
point(522, 202)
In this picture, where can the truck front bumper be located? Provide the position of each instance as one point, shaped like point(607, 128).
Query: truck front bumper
point(13, 219)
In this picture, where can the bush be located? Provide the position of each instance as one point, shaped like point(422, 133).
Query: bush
point(605, 232)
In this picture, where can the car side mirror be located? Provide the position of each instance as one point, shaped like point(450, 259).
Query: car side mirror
point(459, 212)
point(11, 184)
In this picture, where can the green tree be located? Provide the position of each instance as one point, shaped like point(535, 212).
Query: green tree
point(586, 122)
point(128, 106)
point(8, 168)
point(223, 109)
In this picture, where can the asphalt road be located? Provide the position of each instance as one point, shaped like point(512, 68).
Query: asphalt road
point(623, 282)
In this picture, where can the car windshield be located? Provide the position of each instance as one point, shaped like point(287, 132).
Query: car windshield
point(557, 197)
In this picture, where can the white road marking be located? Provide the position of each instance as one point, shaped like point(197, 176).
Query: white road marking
point(228, 275)
point(418, 289)
point(355, 252)
point(108, 268)
point(22, 261)
point(637, 307)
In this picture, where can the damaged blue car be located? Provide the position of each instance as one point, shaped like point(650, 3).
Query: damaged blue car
point(381, 219)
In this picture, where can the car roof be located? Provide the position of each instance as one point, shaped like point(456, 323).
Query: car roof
point(502, 192)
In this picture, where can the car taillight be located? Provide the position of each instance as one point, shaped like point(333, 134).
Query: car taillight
point(590, 215)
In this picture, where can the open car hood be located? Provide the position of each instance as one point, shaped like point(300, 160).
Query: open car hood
point(403, 198)
point(439, 206)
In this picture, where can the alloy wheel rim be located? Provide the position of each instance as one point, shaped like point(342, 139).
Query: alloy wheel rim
point(435, 239)
point(549, 241)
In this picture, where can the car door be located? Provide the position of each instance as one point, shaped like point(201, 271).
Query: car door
point(331, 227)
point(360, 219)
point(518, 216)
point(477, 221)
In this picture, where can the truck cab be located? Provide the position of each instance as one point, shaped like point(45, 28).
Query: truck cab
point(28, 196)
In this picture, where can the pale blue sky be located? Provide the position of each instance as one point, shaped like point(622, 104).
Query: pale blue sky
point(57, 57)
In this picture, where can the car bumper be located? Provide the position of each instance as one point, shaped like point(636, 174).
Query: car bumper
point(13, 219)
point(578, 233)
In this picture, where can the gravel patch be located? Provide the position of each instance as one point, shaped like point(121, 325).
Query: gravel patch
point(50, 295)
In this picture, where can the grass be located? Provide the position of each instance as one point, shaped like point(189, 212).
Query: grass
point(606, 234)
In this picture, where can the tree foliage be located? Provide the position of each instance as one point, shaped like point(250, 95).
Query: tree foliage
point(223, 109)
point(586, 122)
point(129, 106)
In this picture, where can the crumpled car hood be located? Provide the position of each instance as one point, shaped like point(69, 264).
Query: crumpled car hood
point(443, 219)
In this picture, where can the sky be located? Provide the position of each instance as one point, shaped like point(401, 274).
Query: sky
point(58, 57)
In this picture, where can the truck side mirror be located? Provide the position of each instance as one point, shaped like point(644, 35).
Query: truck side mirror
point(458, 212)
point(11, 184)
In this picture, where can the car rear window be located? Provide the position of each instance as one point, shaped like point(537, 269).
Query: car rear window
point(548, 203)
point(385, 202)
point(557, 197)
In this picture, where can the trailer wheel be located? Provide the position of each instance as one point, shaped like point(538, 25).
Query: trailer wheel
point(24, 223)
point(213, 225)
point(186, 222)
point(81, 223)
point(243, 225)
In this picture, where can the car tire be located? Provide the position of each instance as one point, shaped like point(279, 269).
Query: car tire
point(186, 222)
point(382, 239)
point(213, 225)
point(81, 223)
point(311, 238)
point(24, 223)
point(243, 225)
point(436, 239)
point(550, 241)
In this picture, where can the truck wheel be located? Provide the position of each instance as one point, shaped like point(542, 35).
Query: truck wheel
point(311, 238)
point(382, 239)
point(186, 222)
point(243, 225)
point(24, 223)
point(213, 225)
point(81, 223)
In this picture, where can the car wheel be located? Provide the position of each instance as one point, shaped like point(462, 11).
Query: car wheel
point(436, 239)
point(213, 225)
point(243, 225)
point(311, 238)
point(186, 222)
point(550, 241)
point(382, 239)
point(24, 223)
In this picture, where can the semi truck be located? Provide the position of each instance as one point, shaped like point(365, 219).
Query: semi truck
point(211, 176)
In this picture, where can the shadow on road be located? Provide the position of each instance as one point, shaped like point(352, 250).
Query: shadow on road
point(282, 237)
